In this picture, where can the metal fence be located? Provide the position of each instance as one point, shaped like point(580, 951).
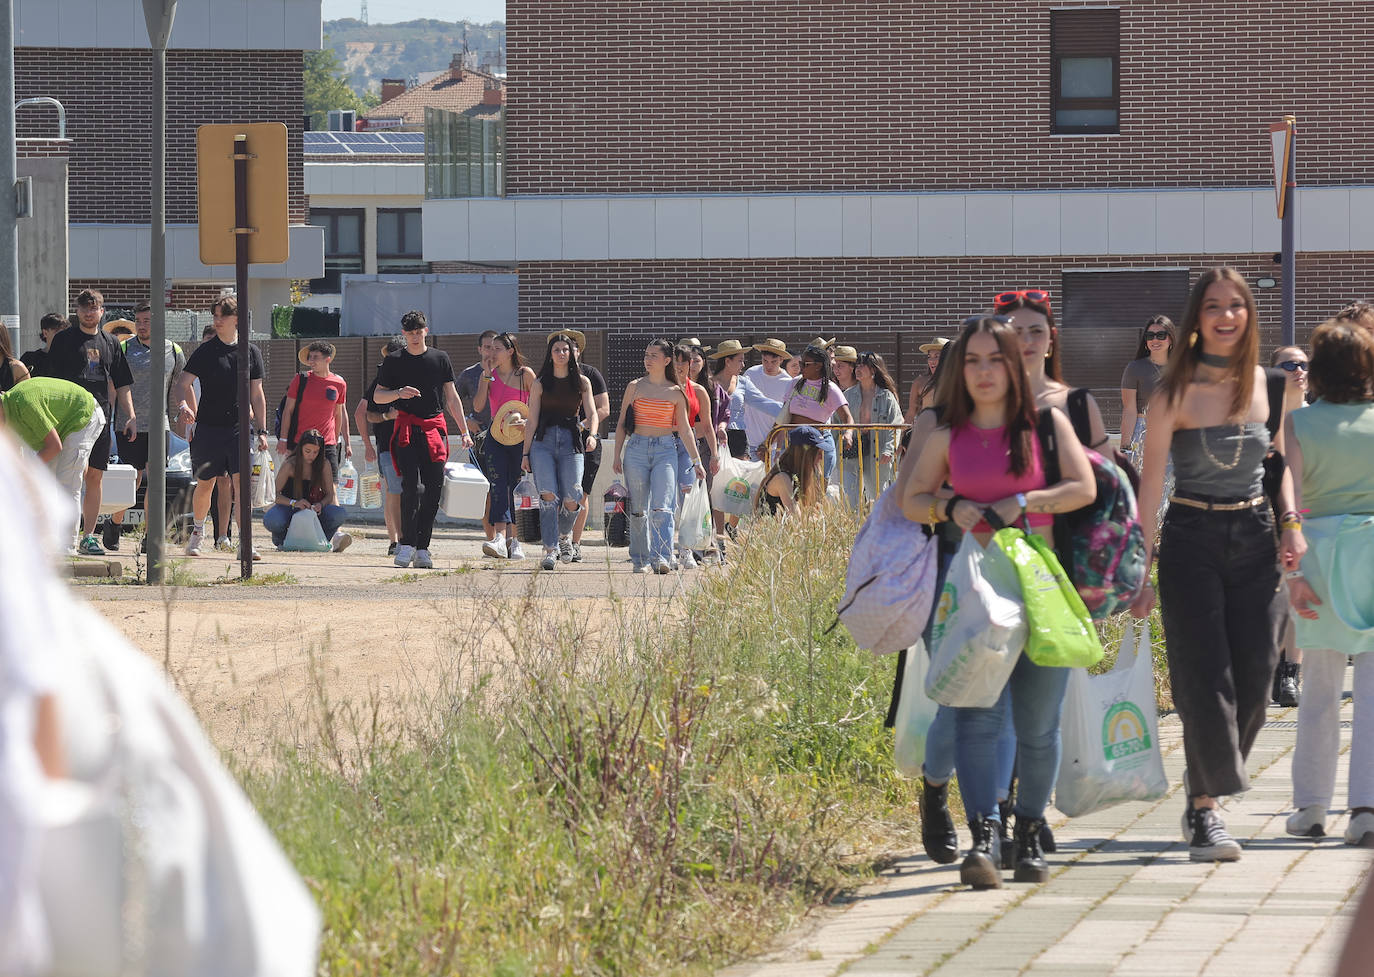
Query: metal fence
point(464, 156)
point(861, 473)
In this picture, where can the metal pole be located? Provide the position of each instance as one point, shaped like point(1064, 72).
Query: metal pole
point(1289, 291)
point(159, 19)
point(9, 217)
point(245, 413)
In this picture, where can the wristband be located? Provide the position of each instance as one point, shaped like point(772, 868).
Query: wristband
point(1293, 575)
point(949, 505)
point(1291, 524)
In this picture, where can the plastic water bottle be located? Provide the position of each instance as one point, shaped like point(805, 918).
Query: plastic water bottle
point(371, 487)
point(348, 483)
point(526, 494)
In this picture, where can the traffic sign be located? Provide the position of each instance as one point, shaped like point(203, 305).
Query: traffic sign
point(268, 228)
point(1281, 141)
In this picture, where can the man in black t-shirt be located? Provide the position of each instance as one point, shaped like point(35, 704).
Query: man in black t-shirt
point(591, 461)
point(35, 360)
point(420, 382)
point(215, 443)
point(92, 359)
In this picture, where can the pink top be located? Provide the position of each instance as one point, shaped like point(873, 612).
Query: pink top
point(498, 393)
point(806, 402)
point(980, 474)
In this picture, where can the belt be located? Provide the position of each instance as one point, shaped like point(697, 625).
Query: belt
point(1254, 503)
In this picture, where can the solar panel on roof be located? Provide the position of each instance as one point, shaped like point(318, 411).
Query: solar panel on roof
point(326, 149)
point(358, 138)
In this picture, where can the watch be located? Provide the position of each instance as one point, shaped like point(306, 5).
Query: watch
point(1021, 500)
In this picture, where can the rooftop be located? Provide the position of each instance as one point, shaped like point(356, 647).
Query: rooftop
point(456, 90)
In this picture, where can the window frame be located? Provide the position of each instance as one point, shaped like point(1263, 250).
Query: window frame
point(338, 263)
point(1067, 27)
point(403, 254)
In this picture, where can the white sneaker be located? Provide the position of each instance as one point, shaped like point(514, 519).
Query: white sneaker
point(514, 550)
point(565, 549)
point(549, 561)
point(341, 541)
point(224, 545)
point(687, 561)
point(253, 552)
point(404, 554)
point(423, 561)
point(1360, 830)
point(494, 548)
point(1307, 822)
point(194, 544)
point(642, 568)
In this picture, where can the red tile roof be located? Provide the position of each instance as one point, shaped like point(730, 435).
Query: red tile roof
point(443, 92)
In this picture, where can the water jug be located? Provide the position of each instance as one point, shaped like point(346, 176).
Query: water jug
point(348, 483)
point(370, 488)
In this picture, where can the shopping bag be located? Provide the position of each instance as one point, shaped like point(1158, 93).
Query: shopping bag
point(694, 529)
point(889, 585)
point(263, 485)
point(1061, 632)
point(305, 534)
point(979, 628)
point(915, 713)
point(1110, 732)
point(736, 486)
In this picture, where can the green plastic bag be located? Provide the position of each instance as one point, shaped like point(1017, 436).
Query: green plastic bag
point(1061, 631)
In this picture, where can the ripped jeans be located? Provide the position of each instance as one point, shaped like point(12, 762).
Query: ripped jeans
point(558, 473)
point(651, 476)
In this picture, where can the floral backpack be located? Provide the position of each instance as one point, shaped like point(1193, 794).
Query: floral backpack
point(1102, 545)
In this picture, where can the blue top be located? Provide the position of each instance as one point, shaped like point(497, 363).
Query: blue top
point(1224, 461)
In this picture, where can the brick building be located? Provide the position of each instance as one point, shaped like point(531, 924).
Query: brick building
point(877, 170)
point(228, 61)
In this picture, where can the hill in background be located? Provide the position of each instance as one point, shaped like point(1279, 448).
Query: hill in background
point(371, 52)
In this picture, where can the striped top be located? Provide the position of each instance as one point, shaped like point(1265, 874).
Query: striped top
point(654, 413)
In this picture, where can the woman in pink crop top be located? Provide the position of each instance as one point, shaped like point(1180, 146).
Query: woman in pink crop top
point(509, 379)
point(989, 454)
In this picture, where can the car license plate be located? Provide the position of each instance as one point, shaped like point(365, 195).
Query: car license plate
point(133, 517)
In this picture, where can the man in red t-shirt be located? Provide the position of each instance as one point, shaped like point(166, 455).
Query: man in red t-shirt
point(322, 407)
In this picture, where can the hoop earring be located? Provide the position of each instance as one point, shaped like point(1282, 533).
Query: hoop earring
point(1192, 340)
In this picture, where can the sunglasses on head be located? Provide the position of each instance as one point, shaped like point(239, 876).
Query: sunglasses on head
point(975, 319)
point(1292, 366)
point(1029, 294)
point(1151, 335)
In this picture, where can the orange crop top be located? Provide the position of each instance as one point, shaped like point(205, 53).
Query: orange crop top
point(654, 413)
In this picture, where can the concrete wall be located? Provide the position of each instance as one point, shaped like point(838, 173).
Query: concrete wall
point(42, 247)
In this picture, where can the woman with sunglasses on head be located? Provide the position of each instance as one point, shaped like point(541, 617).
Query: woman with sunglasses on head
point(305, 480)
point(508, 380)
point(1288, 676)
point(988, 452)
point(653, 417)
point(815, 396)
point(1218, 566)
point(555, 442)
point(701, 406)
point(872, 400)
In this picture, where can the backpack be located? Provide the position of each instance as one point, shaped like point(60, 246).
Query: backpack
point(1102, 545)
point(1275, 383)
point(290, 436)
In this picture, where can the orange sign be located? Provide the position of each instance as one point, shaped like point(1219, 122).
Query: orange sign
point(268, 218)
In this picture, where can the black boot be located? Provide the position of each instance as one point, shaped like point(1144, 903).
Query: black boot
point(1286, 683)
point(1047, 842)
point(938, 835)
point(1004, 838)
point(980, 868)
point(1030, 862)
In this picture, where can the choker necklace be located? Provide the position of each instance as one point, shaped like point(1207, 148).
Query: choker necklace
point(1212, 359)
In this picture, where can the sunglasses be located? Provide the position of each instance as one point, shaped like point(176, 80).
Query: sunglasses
point(1036, 295)
point(1151, 335)
point(975, 319)
point(1292, 366)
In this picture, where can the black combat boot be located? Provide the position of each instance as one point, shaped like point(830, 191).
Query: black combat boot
point(938, 835)
point(980, 868)
point(1030, 861)
point(1004, 837)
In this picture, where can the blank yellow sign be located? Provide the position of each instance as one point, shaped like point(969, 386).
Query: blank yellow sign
point(268, 213)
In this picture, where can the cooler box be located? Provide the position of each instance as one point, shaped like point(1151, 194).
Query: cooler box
point(118, 489)
point(465, 491)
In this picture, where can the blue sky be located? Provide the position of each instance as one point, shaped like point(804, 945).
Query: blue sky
point(395, 11)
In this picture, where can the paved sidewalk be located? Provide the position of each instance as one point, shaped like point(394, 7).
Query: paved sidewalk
point(1124, 898)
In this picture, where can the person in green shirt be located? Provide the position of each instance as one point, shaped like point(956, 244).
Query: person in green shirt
point(61, 421)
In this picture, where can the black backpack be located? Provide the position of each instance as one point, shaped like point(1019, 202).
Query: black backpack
point(290, 436)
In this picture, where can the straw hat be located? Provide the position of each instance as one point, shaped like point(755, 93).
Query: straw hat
point(119, 324)
point(776, 346)
point(935, 344)
point(728, 348)
point(694, 342)
point(508, 424)
point(819, 343)
point(303, 354)
point(846, 354)
point(578, 337)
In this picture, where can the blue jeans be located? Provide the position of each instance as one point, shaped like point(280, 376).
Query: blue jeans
point(828, 449)
point(651, 476)
point(277, 520)
point(504, 462)
point(1034, 697)
point(558, 473)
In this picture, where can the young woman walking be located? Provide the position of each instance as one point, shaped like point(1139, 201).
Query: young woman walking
point(1218, 567)
point(1138, 382)
point(508, 380)
point(872, 400)
point(689, 372)
point(555, 443)
point(653, 410)
point(815, 396)
point(1288, 676)
point(988, 451)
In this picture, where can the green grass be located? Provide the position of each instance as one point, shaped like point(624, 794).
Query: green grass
point(417, 576)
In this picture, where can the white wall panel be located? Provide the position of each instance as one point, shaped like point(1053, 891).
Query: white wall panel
point(772, 227)
point(538, 230)
point(1324, 220)
point(940, 225)
point(202, 24)
point(894, 225)
point(632, 227)
point(1227, 223)
point(1361, 218)
point(445, 230)
point(491, 224)
point(677, 227)
point(1035, 224)
point(586, 230)
point(856, 239)
point(1131, 223)
point(987, 223)
point(724, 228)
point(1179, 223)
point(1084, 223)
point(1266, 230)
point(820, 226)
point(123, 251)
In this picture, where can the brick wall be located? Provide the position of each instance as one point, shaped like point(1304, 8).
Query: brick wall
point(795, 95)
point(38, 148)
point(131, 291)
point(888, 305)
point(109, 103)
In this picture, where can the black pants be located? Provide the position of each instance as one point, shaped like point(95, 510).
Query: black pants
point(1221, 603)
point(418, 508)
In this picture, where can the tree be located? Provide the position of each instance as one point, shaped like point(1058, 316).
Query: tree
point(326, 89)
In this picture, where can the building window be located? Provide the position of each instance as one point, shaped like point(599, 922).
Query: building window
point(1085, 70)
point(343, 247)
point(398, 234)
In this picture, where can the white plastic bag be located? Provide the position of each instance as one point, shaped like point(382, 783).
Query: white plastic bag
point(1110, 731)
point(305, 534)
point(263, 486)
point(915, 713)
point(890, 582)
point(979, 629)
point(736, 485)
point(694, 528)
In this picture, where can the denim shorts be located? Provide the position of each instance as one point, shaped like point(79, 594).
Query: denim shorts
point(389, 473)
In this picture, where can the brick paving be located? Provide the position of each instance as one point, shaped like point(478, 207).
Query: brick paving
point(1124, 899)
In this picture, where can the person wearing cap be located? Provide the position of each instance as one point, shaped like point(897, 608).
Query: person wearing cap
point(91, 358)
point(923, 389)
point(796, 479)
point(842, 361)
point(591, 460)
point(765, 385)
point(305, 480)
point(815, 396)
point(320, 395)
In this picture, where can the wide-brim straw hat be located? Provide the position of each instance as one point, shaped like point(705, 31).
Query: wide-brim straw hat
point(819, 343)
point(728, 348)
point(114, 324)
point(693, 343)
point(937, 343)
point(506, 423)
point(846, 354)
point(776, 346)
point(578, 337)
point(303, 354)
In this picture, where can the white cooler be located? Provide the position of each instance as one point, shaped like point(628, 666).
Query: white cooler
point(118, 489)
point(465, 491)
